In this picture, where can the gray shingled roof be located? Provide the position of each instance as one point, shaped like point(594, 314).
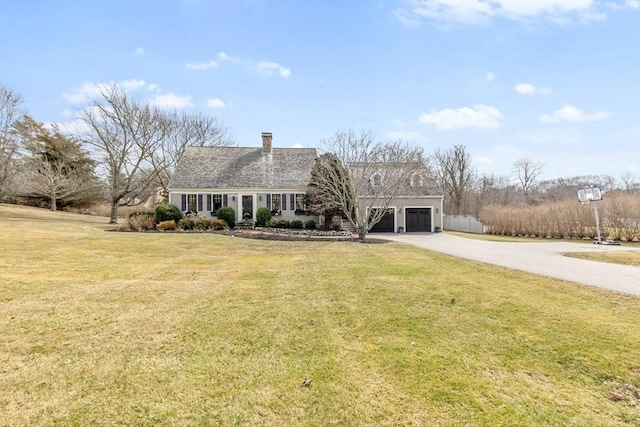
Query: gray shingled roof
point(243, 167)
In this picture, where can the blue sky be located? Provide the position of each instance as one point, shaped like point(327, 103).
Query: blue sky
point(557, 82)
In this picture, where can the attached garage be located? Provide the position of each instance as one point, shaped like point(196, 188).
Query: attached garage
point(386, 224)
point(418, 219)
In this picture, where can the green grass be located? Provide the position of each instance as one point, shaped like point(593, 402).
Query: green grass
point(102, 328)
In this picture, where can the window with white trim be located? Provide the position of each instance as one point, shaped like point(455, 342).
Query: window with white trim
point(275, 203)
point(217, 202)
point(192, 202)
point(300, 206)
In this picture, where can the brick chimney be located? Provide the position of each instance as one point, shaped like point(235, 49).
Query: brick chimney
point(267, 138)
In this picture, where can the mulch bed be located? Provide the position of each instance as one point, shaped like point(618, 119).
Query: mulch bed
point(263, 235)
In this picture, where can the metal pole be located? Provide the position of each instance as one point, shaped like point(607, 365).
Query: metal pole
point(595, 209)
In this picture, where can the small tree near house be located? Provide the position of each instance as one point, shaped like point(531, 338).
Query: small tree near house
point(361, 177)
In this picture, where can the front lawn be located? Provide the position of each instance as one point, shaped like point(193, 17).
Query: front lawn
point(104, 328)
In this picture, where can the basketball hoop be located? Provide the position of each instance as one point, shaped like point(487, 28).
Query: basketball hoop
point(586, 195)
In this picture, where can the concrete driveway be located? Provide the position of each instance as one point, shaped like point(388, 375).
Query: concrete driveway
point(544, 258)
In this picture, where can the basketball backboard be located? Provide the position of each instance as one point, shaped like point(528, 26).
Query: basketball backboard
point(589, 195)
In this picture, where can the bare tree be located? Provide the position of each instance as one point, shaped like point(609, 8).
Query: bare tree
point(361, 177)
point(628, 182)
point(456, 174)
point(10, 147)
point(123, 133)
point(52, 180)
point(184, 131)
point(526, 172)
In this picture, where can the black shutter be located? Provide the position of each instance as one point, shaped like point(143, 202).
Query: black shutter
point(184, 202)
point(284, 202)
point(293, 202)
point(209, 202)
point(269, 201)
point(224, 200)
point(199, 202)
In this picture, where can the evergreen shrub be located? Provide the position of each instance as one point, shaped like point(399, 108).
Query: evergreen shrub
point(186, 224)
point(263, 215)
point(272, 223)
point(201, 224)
point(167, 212)
point(227, 214)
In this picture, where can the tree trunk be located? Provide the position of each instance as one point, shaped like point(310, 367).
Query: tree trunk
point(114, 213)
point(362, 235)
point(53, 203)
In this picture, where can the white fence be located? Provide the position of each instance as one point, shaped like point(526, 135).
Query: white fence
point(466, 224)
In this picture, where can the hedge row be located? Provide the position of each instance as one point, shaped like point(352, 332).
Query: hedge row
point(619, 214)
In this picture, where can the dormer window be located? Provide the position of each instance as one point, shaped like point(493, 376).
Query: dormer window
point(376, 180)
point(416, 180)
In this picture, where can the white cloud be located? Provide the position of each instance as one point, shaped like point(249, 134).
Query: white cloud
point(226, 57)
point(298, 145)
point(529, 89)
point(490, 76)
point(269, 68)
point(170, 100)
point(569, 113)
point(90, 90)
point(633, 4)
point(215, 103)
point(201, 65)
point(518, 8)
point(462, 11)
point(479, 117)
point(479, 12)
point(139, 51)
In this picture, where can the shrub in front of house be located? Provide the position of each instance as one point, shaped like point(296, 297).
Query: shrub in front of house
point(219, 224)
point(272, 223)
point(186, 224)
point(201, 224)
point(167, 212)
point(141, 221)
point(166, 225)
point(310, 225)
point(263, 215)
point(283, 223)
point(297, 224)
point(227, 214)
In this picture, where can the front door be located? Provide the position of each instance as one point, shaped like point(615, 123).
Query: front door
point(247, 206)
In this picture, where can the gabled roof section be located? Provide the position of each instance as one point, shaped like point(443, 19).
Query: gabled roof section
point(364, 174)
point(243, 167)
